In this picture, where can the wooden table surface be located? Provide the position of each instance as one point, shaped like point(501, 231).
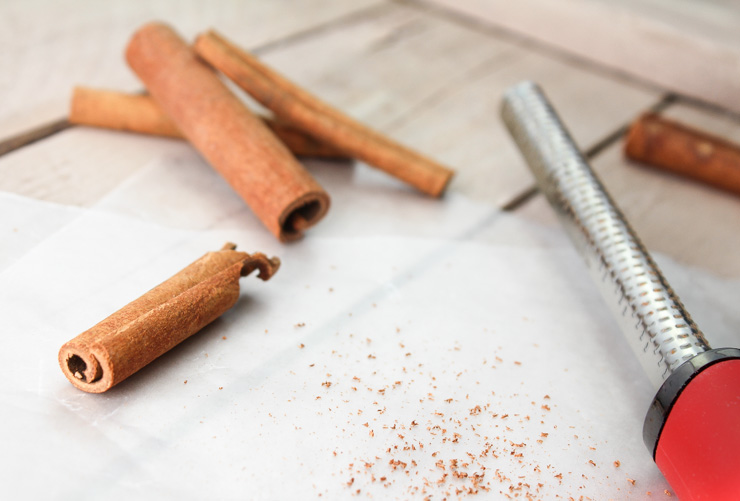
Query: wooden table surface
point(422, 74)
point(427, 73)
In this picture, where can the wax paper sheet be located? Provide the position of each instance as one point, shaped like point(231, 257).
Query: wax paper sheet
point(407, 348)
point(27, 222)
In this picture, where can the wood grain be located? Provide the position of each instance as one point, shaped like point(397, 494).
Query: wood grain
point(689, 47)
point(49, 47)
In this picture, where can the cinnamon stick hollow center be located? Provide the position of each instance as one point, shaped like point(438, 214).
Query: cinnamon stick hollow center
point(146, 328)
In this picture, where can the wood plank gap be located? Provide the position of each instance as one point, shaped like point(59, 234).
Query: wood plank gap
point(33, 135)
point(592, 152)
point(321, 29)
point(708, 107)
point(468, 77)
point(46, 130)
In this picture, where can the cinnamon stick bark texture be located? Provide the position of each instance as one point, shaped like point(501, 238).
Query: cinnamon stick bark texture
point(141, 331)
point(655, 141)
point(302, 144)
point(294, 105)
point(234, 141)
point(139, 113)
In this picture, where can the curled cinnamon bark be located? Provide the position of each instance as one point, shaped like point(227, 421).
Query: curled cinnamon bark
point(141, 331)
point(303, 110)
point(139, 113)
point(658, 142)
point(234, 141)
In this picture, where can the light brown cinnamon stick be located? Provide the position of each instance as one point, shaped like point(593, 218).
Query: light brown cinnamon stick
point(235, 142)
point(139, 113)
point(120, 111)
point(299, 108)
point(141, 331)
point(658, 142)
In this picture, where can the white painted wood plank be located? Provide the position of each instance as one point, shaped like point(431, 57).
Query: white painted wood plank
point(692, 223)
point(48, 47)
point(471, 137)
point(429, 82)
point(695, 51)
point(716, 20)
point(389, 64)
point(80, 165)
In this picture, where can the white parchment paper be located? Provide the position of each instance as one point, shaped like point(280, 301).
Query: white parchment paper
point(407, 348)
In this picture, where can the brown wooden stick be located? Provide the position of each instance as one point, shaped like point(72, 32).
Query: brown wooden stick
point(141, 331)
point(139, 113)
point(235, 142)
point(299, 108)
point(658, 142)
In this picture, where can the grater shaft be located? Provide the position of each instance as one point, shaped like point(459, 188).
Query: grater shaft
point(655, 323)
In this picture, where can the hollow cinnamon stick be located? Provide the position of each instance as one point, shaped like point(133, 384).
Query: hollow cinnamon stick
point(235, 142)
point(139, 113)
point(141, 331)
point(294, 105)
point(658, 142)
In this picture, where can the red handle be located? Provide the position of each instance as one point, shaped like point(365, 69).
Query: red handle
point(699, 446)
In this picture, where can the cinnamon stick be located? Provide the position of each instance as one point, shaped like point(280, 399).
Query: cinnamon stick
point(658, 142)
point(139, 113)
point(119, 111)
point(233, 140)
point(294, 105)
point(141, 331)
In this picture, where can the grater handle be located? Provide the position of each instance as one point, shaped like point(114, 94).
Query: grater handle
point(655, 323)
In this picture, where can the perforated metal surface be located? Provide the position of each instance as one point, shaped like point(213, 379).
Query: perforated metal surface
point(656, 324)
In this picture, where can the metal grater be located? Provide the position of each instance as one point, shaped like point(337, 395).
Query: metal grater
point(691, 427)
point(656, 324)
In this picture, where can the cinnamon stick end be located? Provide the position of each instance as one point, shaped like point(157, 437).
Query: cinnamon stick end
point(442, 180)
point(305, 212)
point(204, 38)
point(78, 95)
point(86, 367)
point(635, 143)
point(267, 266)
point(144, 30)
